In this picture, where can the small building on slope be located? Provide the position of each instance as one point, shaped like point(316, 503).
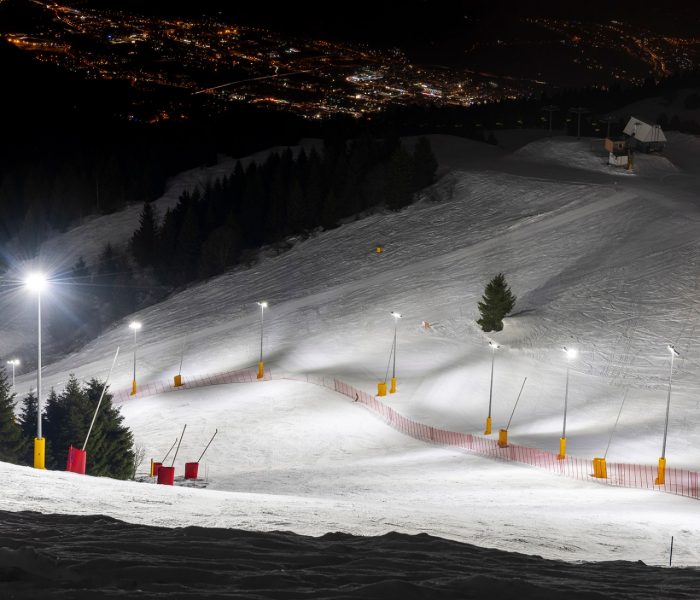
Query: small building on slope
point(644, 137)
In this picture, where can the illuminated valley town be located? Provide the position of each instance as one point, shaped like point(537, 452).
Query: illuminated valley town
point(317, 78)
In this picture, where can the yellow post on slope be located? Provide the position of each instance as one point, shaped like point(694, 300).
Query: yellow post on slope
point(261, 370)
point(40, 453)
point(392, 390)
point(177, 380)
point(151, 471)
point(487, 431)
point(600, 470)
point(381, 388)
point(502, 438)
point(133, 387)
point(661, 477)
point(562, 449)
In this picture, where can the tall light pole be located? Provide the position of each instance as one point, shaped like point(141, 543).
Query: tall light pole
point(134, 326)
point(570, 355)
point(36, 282)
point(14, 362)
point(261, 365)
point(661, 476)
point(494, 347)
point(397, 316)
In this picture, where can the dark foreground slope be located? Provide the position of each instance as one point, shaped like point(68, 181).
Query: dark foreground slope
point(79, 557)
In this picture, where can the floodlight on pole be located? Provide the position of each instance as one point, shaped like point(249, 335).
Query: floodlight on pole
point(36, 283)
point(494, 346)
point(134, 326)
point(261, 365)
point(15, 363)
point(397, 316)
point(571, 353)
point(661, 475)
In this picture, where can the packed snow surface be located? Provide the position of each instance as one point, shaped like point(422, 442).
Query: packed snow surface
point(601, 262)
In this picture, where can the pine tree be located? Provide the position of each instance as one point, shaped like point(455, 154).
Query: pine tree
point(68, 417)
point(65, 425)
point(143, 242)
point(12, 442)
point(495, 304)
point(111, 444)
point(400, 185)
point(424, 164)
point(27, 423)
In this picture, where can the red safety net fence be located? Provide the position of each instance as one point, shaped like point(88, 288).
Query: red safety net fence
point(158, 387)
point(677, 481)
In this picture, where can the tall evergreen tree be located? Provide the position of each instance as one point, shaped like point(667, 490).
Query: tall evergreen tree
point(12, 442)
point(400, 185)
point(495, 304)
point(111, 444)
point(143, 242)
point(27, 423)
point(424, 164)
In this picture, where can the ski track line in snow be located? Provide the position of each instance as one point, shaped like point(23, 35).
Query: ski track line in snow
point(680, 482)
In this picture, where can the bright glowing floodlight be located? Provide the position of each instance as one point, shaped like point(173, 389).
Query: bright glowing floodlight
point(494, 345)
point(395, 314)
point(262, 304)
point(135, 325)
point(570, 352)
point(35, 282)
point(14, 361)
point(672, 350)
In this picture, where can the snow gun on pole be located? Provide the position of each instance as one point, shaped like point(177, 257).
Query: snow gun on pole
point(177, 380)
point(207, 446)
point(600, 469)
point(192, 468)
point(102, 395)
point(172, 464)
point(503, 433)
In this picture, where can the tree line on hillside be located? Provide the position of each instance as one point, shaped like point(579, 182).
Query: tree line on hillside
point(286, 195)
point(66, 420)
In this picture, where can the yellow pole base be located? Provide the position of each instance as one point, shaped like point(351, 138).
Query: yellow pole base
point(487, 431)
point(502, 438)
point(661, 477)
point(562, 449)
point(133, 387)
point(381, 388)
point(39, 453)
point(600, 470)
point(177, 380)
point(392, 390)
point(151, 471)
point(261, 370)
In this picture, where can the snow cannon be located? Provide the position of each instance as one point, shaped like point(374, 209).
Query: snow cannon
point(600, 470)
point(40, 453)
point(76, 461)
point(379, 249)
point(661, 474)
point(166, 475)
point(192, 468)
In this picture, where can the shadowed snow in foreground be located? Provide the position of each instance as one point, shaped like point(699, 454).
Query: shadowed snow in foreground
point(59, 556)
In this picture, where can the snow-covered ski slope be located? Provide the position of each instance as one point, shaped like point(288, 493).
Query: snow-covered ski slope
point(603, 262)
